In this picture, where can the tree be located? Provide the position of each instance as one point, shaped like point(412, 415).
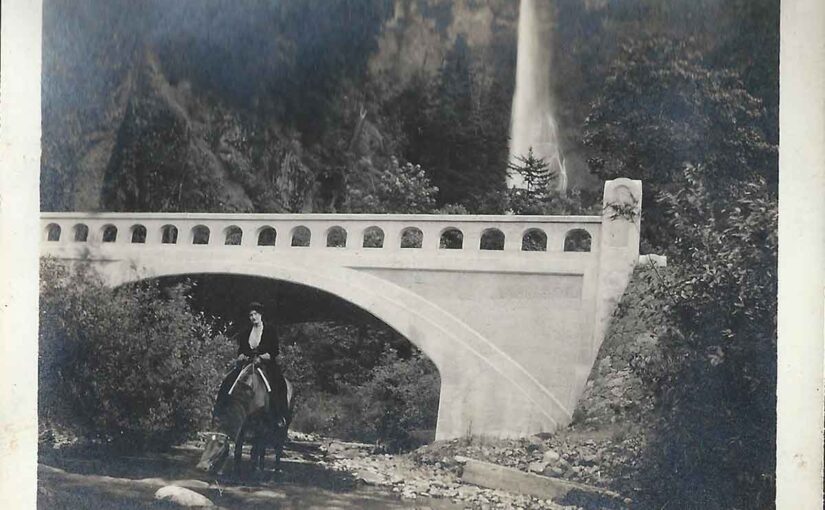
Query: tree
point(716, 382)
point(397, 189)
point(456, 126)
point(133, 367)
point(534, 171)
point(662, 108)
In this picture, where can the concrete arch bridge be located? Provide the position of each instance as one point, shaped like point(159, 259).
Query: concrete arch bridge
point(511, 309)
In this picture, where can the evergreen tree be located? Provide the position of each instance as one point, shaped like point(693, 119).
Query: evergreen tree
point(534, 171)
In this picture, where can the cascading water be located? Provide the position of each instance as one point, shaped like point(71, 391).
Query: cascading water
point(532, 123)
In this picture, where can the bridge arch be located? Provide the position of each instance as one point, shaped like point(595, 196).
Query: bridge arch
point(52, 232)
point(373, 237)
point(267, 236)
point(81, 233)
point(233, 235)
point(578, 239)
point(534, 239)
point(454, 347)
point(301, 236)
point(138, 234)
point(451, 238)
point(108, 233)
point(169, 234)
point(492, 239)
point(336, 237)
point(200, 234)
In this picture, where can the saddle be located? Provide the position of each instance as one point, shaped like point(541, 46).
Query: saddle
point(253, 376)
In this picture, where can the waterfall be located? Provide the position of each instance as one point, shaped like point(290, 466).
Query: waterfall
point(532, 123)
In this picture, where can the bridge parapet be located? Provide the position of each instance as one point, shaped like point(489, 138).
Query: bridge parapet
point(368, 233)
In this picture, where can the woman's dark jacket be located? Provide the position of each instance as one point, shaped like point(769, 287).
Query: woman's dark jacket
point(269, 342)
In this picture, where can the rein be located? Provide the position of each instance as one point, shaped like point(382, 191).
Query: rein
point(213, 434)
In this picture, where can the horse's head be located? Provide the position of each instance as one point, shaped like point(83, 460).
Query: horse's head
point(214, 453)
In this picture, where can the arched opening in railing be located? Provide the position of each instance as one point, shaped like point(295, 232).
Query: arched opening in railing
point(200, 234)
point(451, 239)
point(233, 236)
point(336, 237)
point(577, 240)
point(267, 236)
point(81, 233)
point(492, 239)
point(412, 237)
point(53, 232)
point(169, 234)
point(534, 240)
point(138, 234)
point(109, 234)
point(373, 238)
point(301, 236)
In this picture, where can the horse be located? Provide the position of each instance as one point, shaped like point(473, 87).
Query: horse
point(246, 411)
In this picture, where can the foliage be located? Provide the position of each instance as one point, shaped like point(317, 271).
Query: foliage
point(534, 171)
point(398, 189)
point(551, 202)
point(401, 397)
point(716, 380)
point(662, 108)
point(363, 383)
point(133, 367)
point(456, 125)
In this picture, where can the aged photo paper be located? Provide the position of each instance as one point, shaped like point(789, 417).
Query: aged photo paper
point(801, 258)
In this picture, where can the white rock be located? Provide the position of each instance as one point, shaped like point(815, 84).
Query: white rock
point(182, 496)
point(550, 456)
point(653, 260)
point(371, 478)
point(537, 467)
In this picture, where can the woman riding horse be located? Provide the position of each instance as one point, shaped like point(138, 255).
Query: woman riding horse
point(258, 345)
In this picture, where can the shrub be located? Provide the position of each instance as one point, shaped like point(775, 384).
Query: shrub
point(361, 383)
point(133, 367)
point(716, 380)
point(401, 397)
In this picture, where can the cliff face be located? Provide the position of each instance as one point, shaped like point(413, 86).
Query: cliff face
point(418, 36)
point(176, 149)
point(202, 105)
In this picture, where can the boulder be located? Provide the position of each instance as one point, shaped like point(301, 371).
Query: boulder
point(550, 456)
point(182, 496)
point(537, 467)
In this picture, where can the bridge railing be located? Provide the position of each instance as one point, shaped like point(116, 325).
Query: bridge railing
point(368, 233)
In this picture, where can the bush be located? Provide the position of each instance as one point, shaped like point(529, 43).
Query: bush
point(360, 383)
point(133, 367)
point(401, 398)
point(716, 380)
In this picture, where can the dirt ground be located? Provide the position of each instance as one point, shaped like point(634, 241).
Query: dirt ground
point(87, 479)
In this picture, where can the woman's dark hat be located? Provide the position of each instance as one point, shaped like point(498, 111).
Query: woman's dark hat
point(255, 307)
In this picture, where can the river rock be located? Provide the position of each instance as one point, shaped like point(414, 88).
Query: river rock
point(182, 496)
point(550, 456)
point(371, 478)
point(537, 467)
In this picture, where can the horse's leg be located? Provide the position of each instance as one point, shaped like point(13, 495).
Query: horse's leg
point(257, 454)
point(239, 450)
point(280, 441)
point(262, 456)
